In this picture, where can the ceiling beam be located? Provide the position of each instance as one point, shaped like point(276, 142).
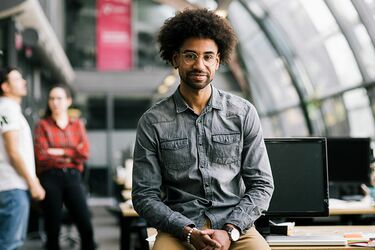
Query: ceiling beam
point(222, 7)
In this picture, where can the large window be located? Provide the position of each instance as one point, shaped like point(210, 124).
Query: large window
point(306, 63)
point(335, 117)
point(359, 113)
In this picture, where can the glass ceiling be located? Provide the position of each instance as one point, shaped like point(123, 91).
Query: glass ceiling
point(309, 64)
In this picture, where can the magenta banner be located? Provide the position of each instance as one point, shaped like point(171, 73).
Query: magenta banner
point(113, 35)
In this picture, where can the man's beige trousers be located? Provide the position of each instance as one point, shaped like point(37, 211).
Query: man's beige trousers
point(252, 240)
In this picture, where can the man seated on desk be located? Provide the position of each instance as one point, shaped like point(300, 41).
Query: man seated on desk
point(201, 174)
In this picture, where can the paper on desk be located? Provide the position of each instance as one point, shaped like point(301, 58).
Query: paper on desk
point(289, 224)
point(360, 239)
point(341, 204)
point(362, 244)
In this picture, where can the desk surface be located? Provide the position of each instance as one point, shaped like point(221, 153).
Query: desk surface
point(127, 211)
point(327, 230)
point(299, 230)
point(346, 209)
point(340, 207)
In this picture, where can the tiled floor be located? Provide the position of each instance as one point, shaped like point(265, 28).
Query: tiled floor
point(107, 232)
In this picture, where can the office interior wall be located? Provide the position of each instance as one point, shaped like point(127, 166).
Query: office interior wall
point(309, 64)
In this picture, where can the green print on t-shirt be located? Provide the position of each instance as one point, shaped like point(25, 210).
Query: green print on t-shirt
point(3, 120)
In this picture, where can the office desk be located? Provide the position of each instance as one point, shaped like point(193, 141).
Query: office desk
point(352, 211)
point(129, 215)
point(327, 230)
point(130, 222)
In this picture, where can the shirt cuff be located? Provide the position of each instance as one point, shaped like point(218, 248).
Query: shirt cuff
point(243, 220)
point(177, 222)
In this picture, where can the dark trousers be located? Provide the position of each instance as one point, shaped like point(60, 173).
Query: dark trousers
point(63, 186)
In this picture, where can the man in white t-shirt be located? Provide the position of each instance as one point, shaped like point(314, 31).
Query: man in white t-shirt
point(17, 165)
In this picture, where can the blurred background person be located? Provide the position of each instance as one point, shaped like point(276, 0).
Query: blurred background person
point(369, 191)
point(17, 164)
point(61, 148)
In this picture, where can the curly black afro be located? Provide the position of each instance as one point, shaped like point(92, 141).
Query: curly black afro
point(200, 23)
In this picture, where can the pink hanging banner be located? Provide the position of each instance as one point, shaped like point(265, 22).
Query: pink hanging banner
point(113, 35)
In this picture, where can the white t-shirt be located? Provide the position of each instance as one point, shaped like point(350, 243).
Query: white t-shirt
point(12, 119)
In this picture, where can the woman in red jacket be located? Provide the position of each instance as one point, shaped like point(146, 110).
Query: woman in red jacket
point(61, 148)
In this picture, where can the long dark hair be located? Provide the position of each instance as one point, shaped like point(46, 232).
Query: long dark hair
point(67, 91)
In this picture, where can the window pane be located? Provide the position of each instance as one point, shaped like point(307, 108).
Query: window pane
point(359, 113)
point(367, 51)
point(320, 16)
point(313, 34)
point(293, 122)
point(371, 6)
point(271, 126)
point(316, 118)
point(335, 117)
point(263, 65)
point(343, 61)
point(356, 34)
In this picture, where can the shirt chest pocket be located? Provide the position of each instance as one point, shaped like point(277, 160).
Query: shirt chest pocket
point(176, 153)
point(225, 148)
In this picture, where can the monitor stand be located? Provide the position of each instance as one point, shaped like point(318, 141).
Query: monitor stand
point(262, 224)
point(266, 227)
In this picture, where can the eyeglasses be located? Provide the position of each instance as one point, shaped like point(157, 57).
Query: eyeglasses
point(191, 58)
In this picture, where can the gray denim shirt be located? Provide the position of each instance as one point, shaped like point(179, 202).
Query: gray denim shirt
point(188, 168)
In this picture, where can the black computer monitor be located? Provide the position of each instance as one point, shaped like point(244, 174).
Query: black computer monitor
point(348, 166)
point(348, 159)
point(299, 168)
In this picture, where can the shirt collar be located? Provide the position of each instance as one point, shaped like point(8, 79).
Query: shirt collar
point(70, 120)
point(181, 105)
point(214, 101)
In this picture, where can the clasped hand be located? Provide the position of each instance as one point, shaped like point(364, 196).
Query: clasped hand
point(210, 239)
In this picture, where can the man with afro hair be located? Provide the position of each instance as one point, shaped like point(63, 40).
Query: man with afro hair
point(201, 173)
